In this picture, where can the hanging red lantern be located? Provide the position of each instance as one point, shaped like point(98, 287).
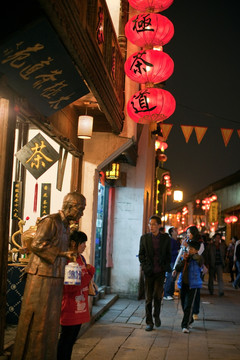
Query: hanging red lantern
point(162, 157)
point(227, 220)
point(151, 105)
point(149, 66)
point(149, 30)
point(233, 219)
point(150, 5)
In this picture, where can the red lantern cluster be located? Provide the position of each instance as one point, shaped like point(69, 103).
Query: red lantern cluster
point(231, 219)
point(150, 66)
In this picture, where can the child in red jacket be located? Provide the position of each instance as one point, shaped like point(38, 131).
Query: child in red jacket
point(75, 311)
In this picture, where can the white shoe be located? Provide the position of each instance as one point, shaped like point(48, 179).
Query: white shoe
point(185, 330)
point(168, 297)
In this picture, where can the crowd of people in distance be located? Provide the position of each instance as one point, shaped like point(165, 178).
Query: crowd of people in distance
point(165, 257)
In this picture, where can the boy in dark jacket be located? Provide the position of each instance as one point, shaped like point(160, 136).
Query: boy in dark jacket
point(189, 281)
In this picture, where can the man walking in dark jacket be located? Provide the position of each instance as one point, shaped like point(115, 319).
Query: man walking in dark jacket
point(155, 259)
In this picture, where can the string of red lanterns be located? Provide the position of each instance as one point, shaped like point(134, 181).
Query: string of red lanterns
point(149, 66)
point(231, 219)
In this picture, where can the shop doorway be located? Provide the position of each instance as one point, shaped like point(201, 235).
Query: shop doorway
point(101, 277)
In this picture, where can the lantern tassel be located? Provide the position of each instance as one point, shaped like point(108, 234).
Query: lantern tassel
point(35, 198)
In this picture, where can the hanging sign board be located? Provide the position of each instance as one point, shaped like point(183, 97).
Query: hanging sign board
point(213, 212)
point(39, 68)
point(45, 199)
point(17, 200)
point(37, 156)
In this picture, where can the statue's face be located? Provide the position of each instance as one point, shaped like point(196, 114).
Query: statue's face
point(76, 209)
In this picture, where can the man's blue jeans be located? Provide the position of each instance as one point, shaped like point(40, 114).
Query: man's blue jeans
point(169, 284)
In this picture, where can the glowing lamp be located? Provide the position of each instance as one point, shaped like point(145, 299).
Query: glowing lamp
point(85, 124)
point(166, 177)
point(113, 174)
point(150, 5)
point(227, 220)
point(177, 196)
point(151, 105)
point(233, 219)
point(202, 223)
point(162, 145)
point(162, 157)
point(149, 30)
point(198, 201)
point(149, 66)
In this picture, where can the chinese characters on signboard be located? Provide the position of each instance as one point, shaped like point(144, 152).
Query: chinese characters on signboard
point(45, 199)
point(213, 212)
point(17, 200)
point(37, 156)
point(38, 67)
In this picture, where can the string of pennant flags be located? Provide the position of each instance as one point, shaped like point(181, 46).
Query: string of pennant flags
point(200, 131)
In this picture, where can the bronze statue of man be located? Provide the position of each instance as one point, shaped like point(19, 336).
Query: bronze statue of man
point(38, 326)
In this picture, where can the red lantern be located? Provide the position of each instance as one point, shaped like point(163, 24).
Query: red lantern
point(233, 219)
point(149, 66)
point(227, 220)
point(148, 30)
point(162, 157)
point(150, 5)
point(151, 105)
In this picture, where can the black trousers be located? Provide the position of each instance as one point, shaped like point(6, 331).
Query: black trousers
point(67, 339)
point(153, 296)
point(187, 300)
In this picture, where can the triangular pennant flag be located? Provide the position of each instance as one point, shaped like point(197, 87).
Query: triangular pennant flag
point(226, 134)
point(187, 131)
point(238, 131)
point(166, 128)
point(200, 132)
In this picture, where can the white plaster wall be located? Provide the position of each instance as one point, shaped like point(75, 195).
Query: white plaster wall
point(128, 215)
point(114, 9)
point(129, 218)
point(229, 196)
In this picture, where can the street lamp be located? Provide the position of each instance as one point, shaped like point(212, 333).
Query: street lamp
point(177, 195)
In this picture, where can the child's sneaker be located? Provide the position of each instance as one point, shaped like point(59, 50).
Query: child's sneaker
point(185, 330)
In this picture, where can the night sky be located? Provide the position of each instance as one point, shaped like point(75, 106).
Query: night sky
point(205, 84)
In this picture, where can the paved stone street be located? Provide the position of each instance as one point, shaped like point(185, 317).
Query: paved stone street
point(120, 333)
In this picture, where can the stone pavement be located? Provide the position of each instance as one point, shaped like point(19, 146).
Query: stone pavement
point(120, 333)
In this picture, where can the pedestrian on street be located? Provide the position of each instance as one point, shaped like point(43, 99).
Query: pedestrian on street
point(169, 286)
point(38, 326)
point(189, 281)
point(193, 234)
point(75, 310)
point(236, 283)
point(215, 260)
point(155, 258)
point(229, 257)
